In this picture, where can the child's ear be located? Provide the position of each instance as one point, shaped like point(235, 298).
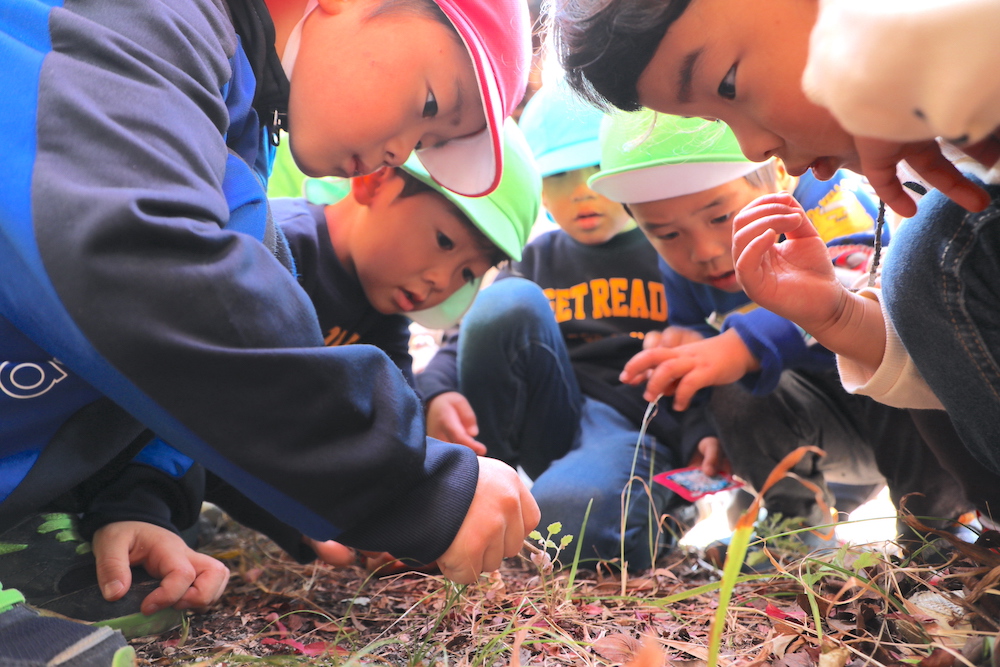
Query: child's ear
point(786, 182)
point(364, 188)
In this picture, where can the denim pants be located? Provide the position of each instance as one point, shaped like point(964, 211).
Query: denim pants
point(941, 284)
point(864, 442)
point(516, 373)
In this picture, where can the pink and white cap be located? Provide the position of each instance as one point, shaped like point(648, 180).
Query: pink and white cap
point(497, 35)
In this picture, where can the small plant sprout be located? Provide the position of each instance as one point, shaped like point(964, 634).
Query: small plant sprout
point(545, 557)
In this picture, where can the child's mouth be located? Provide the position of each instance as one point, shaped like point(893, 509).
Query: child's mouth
point(723, 281)
point(359, 168)
point(588, 221)
point(406, 300)
point(824, 168)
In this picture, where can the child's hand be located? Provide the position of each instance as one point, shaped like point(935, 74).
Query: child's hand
point(500, 517)
point(794, 278)
point(879, 159)
point(332, 553)
point(188, 579)
point(710, 457)
point(682, 371)
point(670, 337)
point(451, 418)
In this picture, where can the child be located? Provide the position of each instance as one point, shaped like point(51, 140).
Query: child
point(143, 285)
point(541, 391)
point(397, 247)
point(621, 52)
point(683, 180)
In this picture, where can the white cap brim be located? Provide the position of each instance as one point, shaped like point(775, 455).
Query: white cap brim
point(472, 165)
point(665, 181)
point(447, 313)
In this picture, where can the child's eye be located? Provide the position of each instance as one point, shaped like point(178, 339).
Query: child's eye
point(468, 276)
point(721, 219)
point(430, 106)
point(727, 88)
point(667, 236)
point(444, 242)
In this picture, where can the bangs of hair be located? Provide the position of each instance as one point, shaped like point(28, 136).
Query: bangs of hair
point(414, 186)
point(605, 45)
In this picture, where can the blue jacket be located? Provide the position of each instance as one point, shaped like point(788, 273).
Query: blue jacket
point(135, 292)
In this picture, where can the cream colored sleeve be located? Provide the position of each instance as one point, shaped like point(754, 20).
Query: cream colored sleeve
point(896, 382)
point(907, 70)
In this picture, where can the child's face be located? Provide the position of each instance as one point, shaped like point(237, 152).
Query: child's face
point(741, 61)
point(694, 233)
point(588, 217)
point(366, 91)
point(412, 253)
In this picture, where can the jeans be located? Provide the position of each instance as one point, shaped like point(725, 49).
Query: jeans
point(516, 373)
point(941, 285)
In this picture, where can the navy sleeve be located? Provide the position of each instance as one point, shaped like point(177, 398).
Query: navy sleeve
point(118, 260)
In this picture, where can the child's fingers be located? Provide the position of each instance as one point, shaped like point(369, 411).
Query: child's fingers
point(209, 584)
point(111, 550)
point(176, 576)
point(665, 377)
point(755, 239)
point(987, 150)
point(637, 367)
point(943, 175)
point(687, 387)
point(651, 340)
point(333, 553)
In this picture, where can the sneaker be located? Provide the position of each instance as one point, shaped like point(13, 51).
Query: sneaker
point(28, 639)
point(45, 558)
point(786, 537)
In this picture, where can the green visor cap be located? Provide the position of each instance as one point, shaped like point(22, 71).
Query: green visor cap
point(648, 156)
point(505, 216)
point(561, 129)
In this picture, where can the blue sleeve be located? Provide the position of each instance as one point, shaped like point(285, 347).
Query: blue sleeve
point(117, 260)
point(684, 309)
point(778, 344)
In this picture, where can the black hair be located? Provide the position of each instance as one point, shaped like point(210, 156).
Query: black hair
point(423, 8)
point(414, 186)
point(604, 45)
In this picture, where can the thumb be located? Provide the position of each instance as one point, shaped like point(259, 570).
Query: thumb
point(114, 574)
point(468, 418)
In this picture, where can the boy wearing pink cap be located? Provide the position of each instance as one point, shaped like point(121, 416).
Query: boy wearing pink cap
point(145, 288)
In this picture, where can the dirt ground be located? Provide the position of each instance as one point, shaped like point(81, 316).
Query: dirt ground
point(851, 606)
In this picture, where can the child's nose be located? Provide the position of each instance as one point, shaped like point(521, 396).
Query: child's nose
point(705, 250)
point(397, 151)
point(756, 142)
point(582, 193)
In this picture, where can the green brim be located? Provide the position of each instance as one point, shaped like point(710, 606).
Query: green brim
point(647, 156)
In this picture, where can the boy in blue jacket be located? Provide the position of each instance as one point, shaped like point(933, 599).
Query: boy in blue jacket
point(145, 288)
point(775, 389)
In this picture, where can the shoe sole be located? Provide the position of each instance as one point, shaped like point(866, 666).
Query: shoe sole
point(125, 657)
point(140, 625)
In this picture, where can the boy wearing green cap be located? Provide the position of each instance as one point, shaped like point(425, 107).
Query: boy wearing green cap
point(396, 246)
point(532, 376)
point(684, 180)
